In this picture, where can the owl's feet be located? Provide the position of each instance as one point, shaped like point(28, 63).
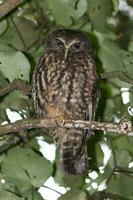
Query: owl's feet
point(62, 119)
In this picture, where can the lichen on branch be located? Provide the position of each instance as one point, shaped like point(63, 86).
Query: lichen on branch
point(123, 127)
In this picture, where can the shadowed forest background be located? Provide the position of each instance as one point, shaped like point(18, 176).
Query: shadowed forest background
point(29, 167)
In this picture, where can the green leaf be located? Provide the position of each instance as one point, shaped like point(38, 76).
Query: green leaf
point(116, 6)
point(3, 26)
point(107, 171)
point(109, 54)
point(5, 195)
point(120, 110)
point(130, 45)
point(74, 194)
point(123, 143)
point(14, 65)
point(61, 11)
point(64, 11)
point(25, 169)
point(16, 101)
point(81, 9)
point(99, 11)
point(123, 158)
point(3, 81)
point(99, 155)
point(32, 194)
point(29, 30)
point(121, 184)
point(127, 60)
point(109, 110)
point(4, 46)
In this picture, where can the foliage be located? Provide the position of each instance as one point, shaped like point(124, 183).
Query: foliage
point(23, 169)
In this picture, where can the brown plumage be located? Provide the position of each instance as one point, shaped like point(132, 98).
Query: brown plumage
point(65, 84)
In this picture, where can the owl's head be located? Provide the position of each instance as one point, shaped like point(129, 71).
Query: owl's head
point(68, 41)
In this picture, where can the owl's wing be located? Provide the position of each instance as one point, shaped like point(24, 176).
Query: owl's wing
point(92, 107)
point(39, 86)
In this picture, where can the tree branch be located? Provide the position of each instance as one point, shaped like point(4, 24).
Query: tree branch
point(9, 143)
point(8, 6)
point(116, 74)
point(16, 85)
point(123, 127)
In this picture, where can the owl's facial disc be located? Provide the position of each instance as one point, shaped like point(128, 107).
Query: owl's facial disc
point(68, 46)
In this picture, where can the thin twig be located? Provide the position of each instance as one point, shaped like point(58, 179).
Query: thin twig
point(123, 170)
point(16, 85)
point(123, 127)
point(116, 74)
point(9, 143)
point(8, 6)
point(14, 140)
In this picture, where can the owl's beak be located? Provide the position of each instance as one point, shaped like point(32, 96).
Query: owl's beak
point(66, 52)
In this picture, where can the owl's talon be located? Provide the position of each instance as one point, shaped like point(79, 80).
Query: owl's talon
point(60, 120)
point(73, 124)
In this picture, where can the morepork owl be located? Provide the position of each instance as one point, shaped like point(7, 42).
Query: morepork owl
point(65, 84)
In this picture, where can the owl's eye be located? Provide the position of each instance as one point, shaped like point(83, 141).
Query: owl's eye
point(76, 46)
point(60, 44)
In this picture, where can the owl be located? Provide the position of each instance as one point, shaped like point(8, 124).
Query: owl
point(65, 83)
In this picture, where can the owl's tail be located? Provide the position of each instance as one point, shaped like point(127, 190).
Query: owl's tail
point(73, 153)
